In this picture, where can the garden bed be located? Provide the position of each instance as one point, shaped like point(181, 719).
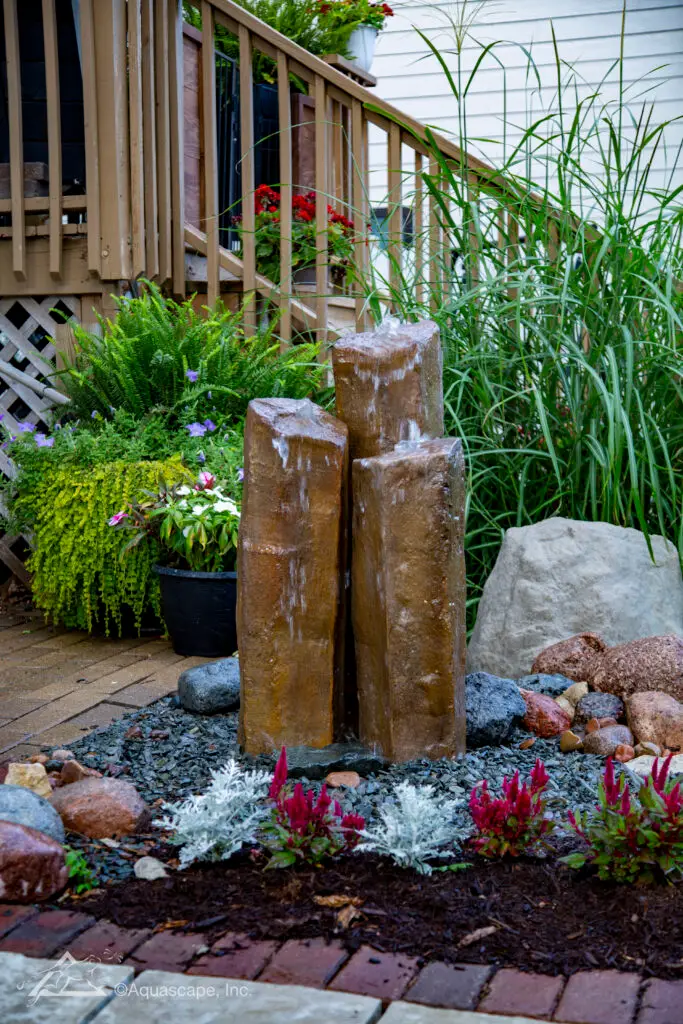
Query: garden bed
point(538, 916)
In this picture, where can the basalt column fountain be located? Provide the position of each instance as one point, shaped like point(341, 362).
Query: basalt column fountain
point(291, 566)
point(408, 599)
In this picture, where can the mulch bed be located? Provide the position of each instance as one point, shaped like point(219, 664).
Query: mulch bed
point(539, 916)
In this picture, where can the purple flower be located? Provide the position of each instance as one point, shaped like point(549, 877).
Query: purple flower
point(26, 428)
point(240, 474)
point(208, 394)
point(93, 414)
point(210, 425)
point(191, 375)
point(44, 442)
point(196, 429)
point(117, 518)
point(201, 458)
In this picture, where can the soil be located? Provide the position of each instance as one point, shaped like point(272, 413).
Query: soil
point(538, 916)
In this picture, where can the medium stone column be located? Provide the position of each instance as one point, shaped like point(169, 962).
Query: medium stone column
point(389, 386)
point(408, 599)
point(291, 564)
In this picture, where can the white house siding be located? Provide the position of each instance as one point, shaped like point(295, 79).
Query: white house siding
point(588, 35)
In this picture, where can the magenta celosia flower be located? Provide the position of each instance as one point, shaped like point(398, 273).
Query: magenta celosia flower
point(279, 776)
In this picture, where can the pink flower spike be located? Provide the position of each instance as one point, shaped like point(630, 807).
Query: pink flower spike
point(539, 777)
point(659, 775)
point(279, 775)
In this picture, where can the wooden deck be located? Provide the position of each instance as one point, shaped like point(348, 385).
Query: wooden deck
point(57, 685)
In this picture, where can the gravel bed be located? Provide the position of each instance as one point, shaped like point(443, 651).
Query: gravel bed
point(168, 753)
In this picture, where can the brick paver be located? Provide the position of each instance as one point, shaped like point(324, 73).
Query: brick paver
point(456, 987)
point(599, 997)
point(45, 933)
point(107, 943)
point(12, 916)
point(514, 992)
point(661, 1003)
point(167, 952)
point(385, 976)
point(235, 956)
point(312, 962)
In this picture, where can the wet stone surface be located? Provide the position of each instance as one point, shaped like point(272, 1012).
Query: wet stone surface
point(172, 767)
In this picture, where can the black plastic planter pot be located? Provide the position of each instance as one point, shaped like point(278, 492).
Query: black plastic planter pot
point(199, 610)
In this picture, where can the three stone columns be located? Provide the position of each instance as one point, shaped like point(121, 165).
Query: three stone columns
point(408, 580)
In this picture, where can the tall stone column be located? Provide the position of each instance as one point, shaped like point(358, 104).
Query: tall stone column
point(389, 386)
point(408, 599)
point(291, 566)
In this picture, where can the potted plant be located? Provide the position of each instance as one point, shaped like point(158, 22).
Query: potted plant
point(195, 531)
point(340, 238)
point(365, 20)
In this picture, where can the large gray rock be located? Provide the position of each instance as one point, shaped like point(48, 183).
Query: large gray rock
point(494, 706)
point(24, 807)
point(209, 688)
point(551, 685)
point(560, 577)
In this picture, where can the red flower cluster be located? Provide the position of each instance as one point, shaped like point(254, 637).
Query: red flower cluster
point(514, 823)
point(266, 199)
point(306, 828)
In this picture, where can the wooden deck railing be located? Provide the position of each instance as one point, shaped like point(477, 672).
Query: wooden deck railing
point(130, 221)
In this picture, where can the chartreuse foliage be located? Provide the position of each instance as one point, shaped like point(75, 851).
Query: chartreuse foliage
point(78, 577)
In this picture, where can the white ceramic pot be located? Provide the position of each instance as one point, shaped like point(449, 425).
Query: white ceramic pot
point(362, 46)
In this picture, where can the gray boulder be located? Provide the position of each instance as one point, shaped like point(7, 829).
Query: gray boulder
point(212, 687)
point(598, 705)
point(561, 577)
point(494, 706)
point(24, 807)
point(550, 685)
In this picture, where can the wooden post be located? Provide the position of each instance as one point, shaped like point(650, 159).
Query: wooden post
point(137, 153)
point(285, 134)
point(175, 71)
point(16, 137)
point(92, 149)
point(54, 134)
point(321, 193)
point(359, 170)
point(210, 161)
point(149, 141)
point(394, 209)
point(161, 86)
point(248, 185)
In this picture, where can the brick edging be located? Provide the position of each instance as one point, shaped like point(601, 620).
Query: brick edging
point(588, 997)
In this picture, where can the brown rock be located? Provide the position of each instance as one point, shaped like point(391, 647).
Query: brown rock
point(38, 759)
point(544, 716)
point(604, 742)
point(408, 599)
point(656, 718)
point(648, 750)
point(30, 776)
point(349, 780)
point(624, 753)
point(570, 741)
point(32, 865)
point(388, 386)
point(525, 744)
point(133, 732)
point(291, 594)
point(99, 808)
point(652, 663)
point(74, 771)
point(574, 658)
point(593, 725)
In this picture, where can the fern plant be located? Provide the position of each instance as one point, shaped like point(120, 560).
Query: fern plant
point(159, 357)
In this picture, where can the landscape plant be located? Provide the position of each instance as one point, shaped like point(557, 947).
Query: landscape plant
point(515, 823)
point(349, 14)
point(303, 827)
point(415, 827)
point(633, 836)
point(81, 876)
point(557, 292)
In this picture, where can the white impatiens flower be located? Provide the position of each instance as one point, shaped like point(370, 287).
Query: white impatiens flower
point(226, 506)
point(183, 490)
point(219, 822)
point(199, 510)
point(415, 828)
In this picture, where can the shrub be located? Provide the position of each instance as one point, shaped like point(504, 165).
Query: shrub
point(304, 828)
point(416, 827)
point(515, 823)
point(162, 358)
point(629, 837)
point(81, 877)
point(78, 577)
point(218, 823)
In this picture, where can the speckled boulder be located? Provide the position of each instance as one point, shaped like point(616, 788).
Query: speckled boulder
point(32, 865)
point(493, 707)
point(653, 663)
point(657, 718)
point(574, 657)
point(598, 705)
point(604, 742)
point(206, 689)
point(544, 716)
point(539, 682)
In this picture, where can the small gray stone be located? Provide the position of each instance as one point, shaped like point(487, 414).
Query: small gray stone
point(494, 706)
point(210, 688)
point(550, 685)
point(598, 705)
point(24, 807)
point(315, 764)
point(604, 742)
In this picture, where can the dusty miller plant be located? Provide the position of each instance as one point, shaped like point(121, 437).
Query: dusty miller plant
point(415, 828)
point(219, 822)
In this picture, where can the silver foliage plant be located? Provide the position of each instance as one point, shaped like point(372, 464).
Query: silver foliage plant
point(220, 821)
point(415, 827)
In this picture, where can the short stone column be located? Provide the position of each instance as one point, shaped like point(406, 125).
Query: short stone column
point(408, 599)
point(389, 386)
point(291, 566)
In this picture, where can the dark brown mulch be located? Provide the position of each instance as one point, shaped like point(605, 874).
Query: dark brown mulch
point(545, 917)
